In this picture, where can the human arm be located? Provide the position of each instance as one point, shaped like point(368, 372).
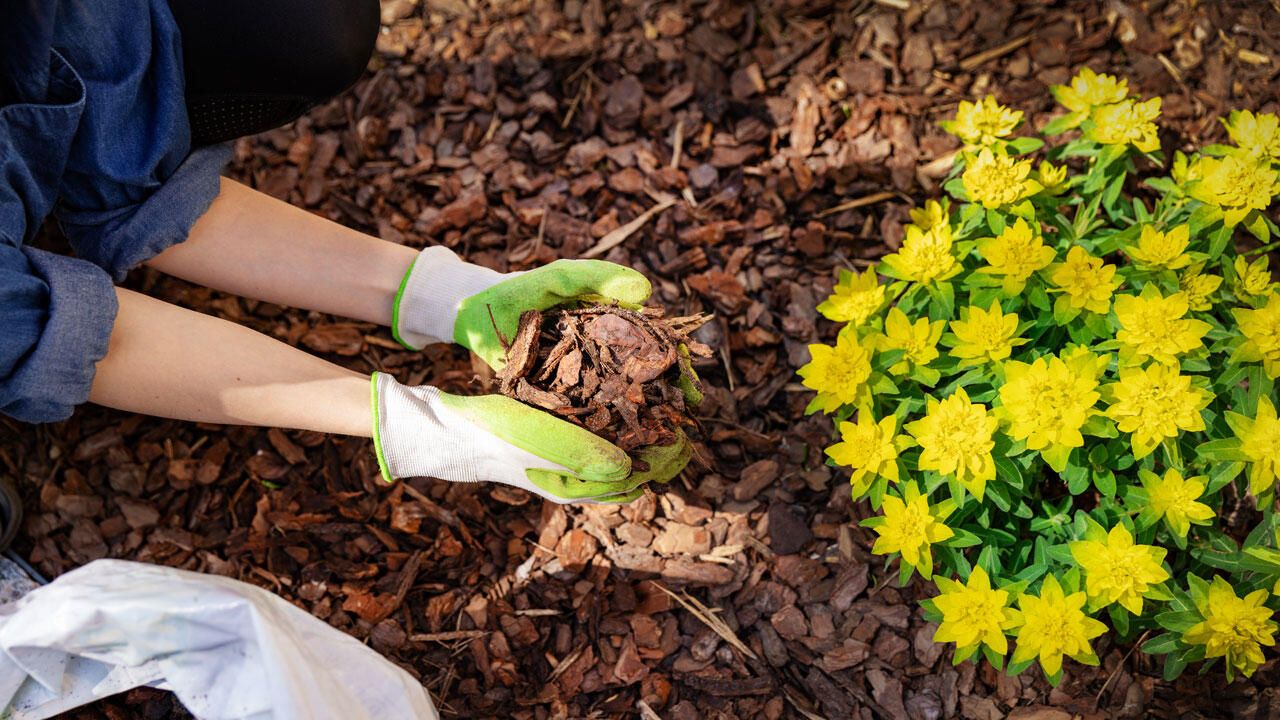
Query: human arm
point(171, 362)
point(253, 245)
point(168, 361)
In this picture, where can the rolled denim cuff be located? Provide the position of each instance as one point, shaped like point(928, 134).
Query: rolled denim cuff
point(58, 373)
point(121, 239)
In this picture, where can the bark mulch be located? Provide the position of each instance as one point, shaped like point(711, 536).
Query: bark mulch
point(736, 153)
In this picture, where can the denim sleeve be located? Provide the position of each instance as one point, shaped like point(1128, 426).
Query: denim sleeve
point(120, 238)
point(132, 187)
point(57, 313)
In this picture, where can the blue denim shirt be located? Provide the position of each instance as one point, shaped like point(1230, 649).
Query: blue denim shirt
point(93, 130)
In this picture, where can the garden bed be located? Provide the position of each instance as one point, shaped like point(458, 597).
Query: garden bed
point(537, 131)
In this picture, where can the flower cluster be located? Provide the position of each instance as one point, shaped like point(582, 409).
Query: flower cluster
point(1048, 389)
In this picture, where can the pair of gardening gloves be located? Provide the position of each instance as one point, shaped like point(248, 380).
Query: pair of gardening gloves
point(420, 431)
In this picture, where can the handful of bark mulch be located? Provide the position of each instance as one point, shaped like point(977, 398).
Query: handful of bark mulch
point(625, 374)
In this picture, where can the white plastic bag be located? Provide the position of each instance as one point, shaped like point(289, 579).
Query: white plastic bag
point(226, 649)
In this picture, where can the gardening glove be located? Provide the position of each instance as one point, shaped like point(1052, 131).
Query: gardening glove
point(420, 431)
point(444, 299)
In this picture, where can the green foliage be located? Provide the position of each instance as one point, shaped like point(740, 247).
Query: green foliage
point(1079, 366)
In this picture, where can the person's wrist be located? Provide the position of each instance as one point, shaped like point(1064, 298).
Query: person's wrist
point(426, 305)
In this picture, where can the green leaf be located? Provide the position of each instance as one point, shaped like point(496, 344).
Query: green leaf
point(1111, 197)
point(1224, 449)
point(1077, 478)
point(1063, 312)
point(995, 221)
point(1174, 664)
point(1105, 482)
point(1038, 298)
point(926, 376)
point(1219, 241)
point(987, 561)
point(1032, 573)
point(1024, 145)
point(1177, 622)
point(944, 296)
point(1202, 218)
point(885, 360)
point(1007, 471)
point(1161, 644)
point(1162, 185)
point(1119, 618)
point(1222, 474)
point(1061, 124)
point(962, 539)
point(1255, 222)
point(998, 495)
point(993, 657)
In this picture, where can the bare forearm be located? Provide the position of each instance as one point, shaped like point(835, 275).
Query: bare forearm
point(256, 246)
point(167, 361)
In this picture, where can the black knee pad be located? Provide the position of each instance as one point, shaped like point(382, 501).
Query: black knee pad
point(251, 65)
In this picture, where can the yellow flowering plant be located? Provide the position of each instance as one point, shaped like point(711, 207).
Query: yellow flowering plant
point(1059, 388)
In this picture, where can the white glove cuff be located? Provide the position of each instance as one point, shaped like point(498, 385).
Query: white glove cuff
point(426, 307)
point(414, 448)
point(415, 435)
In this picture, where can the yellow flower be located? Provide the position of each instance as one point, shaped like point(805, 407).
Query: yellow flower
point(1163, 249)
point(1085, 363)
point(1054, 626)
point(1128, 122)
point(855, 298)
point(1016, 253)
point(982, 123)
point(1198, 288)
point(985, 334)
point(934, 214)
point(918, 339)
point(1153, 325)
point(1175, 499)
point(1047, 402)
point(1234, 628)
point(1051, 176)
point(1261, 331)
point(997, 180)
point(1088, 90)
point(1154, 403)
point(1258, 136)
point(1088, 283)
point(955, 437)
point(839, 373)
point(1260, 442)
point(910, 528)
point(973, 614)
point(1252, 279)
point(1236, 185)
point(925, 257)
point(870, 448)
point(1118, 570)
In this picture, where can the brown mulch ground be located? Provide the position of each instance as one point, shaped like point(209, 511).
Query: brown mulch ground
point(521, 132)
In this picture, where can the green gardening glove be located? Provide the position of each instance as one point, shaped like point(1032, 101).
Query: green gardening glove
point(443, 298)
point(420, 432)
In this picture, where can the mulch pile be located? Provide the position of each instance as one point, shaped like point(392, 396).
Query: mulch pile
point(738, 154)
point(624, 374)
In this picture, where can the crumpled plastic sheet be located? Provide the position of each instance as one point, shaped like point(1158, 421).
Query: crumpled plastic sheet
point(226, 649)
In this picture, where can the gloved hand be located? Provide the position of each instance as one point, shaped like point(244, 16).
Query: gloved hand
point(420, 431)
point(443, 299)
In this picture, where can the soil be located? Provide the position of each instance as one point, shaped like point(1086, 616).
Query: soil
point(736, 153)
